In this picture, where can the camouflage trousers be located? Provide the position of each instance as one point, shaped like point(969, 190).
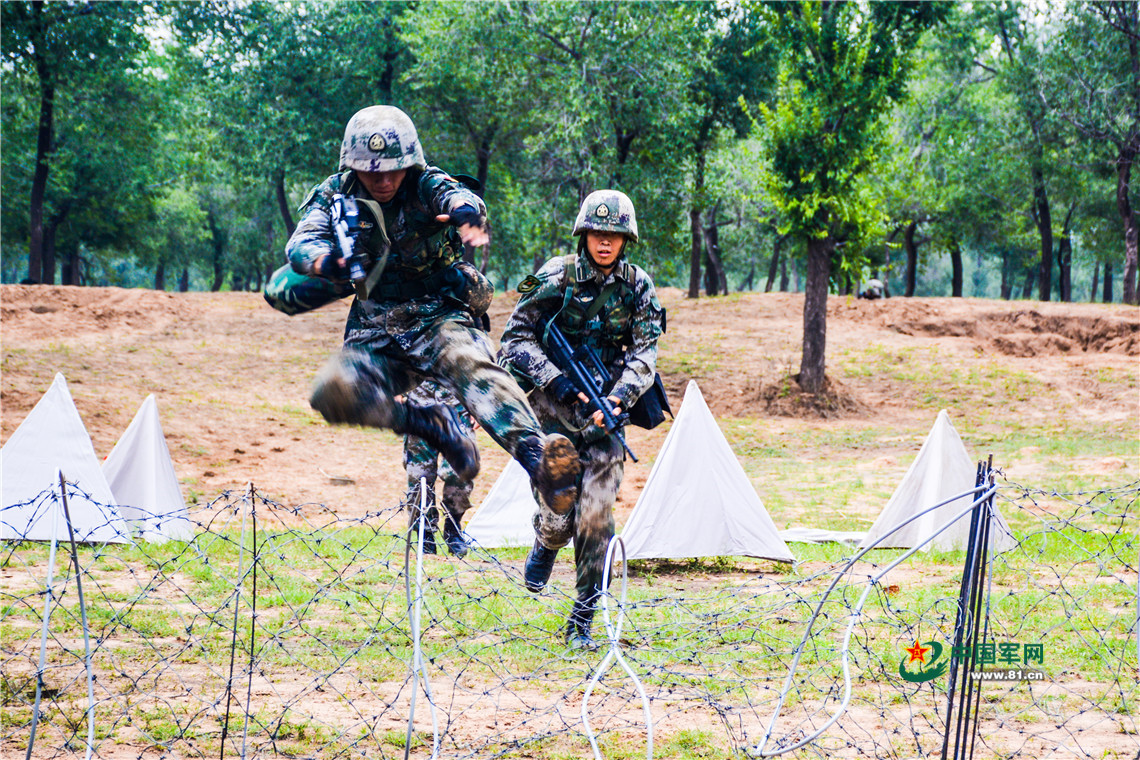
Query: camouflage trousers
point(390, 347)
point(591, 520)
point(421, 460)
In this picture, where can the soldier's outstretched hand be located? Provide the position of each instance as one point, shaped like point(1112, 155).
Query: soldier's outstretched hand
point(466, 220)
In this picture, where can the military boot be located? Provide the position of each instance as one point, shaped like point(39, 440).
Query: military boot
point(429, 541)
point(439, 426)
point(553, 466)
point(539, 565)
point(454, 538)
point(579, 624)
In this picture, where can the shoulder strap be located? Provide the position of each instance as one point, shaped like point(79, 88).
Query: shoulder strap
point(569, 283)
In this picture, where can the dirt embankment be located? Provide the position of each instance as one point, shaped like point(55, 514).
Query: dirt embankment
point(231, 377)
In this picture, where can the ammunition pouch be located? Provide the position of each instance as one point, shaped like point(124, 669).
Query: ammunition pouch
point(460, 282)
point(650, 409)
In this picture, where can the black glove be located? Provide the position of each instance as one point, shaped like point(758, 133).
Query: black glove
point(331, 267)
point(563, 391)
point(466, 214)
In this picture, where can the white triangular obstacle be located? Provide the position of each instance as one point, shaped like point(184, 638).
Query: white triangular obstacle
point(142, 478)
point(942, 469)
point(504, 518)
point(51, 439)
point(698, 502)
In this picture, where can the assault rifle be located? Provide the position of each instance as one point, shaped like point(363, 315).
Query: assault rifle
point(576, 364)
point(346, 223)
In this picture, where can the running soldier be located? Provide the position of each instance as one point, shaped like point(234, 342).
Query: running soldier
point(596, 298)
point(413, 317)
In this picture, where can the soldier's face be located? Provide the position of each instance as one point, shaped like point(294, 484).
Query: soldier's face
point(382, 185)
point(604, 248)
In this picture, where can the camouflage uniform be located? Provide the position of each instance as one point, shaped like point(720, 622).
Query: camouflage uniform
point(422, 460)
point(624, 331)
point(417, 321)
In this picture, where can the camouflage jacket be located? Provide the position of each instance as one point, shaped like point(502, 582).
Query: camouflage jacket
point(420, 245)
point(624, 330)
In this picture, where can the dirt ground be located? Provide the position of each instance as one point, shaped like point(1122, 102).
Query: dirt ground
point(231, 379)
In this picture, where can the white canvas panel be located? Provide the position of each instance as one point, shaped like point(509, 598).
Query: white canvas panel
point(504, 519)
point(697, 501)
point(942, 468)
point(141, 475)
point(52, 438)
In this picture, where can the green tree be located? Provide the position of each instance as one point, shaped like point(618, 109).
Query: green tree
point(66, 52)
point(1095, 87)
point(842, 67)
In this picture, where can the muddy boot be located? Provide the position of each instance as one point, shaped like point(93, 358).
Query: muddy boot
point(346, 392)
point(539, 564)
point(453, 537)
point(438, 425)
point(578, 626)
point(553, 466)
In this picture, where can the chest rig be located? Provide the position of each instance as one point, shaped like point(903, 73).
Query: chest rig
point(412, 263)
point(603, 321)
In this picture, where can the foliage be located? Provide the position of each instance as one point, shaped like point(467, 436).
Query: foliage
point(203, 124)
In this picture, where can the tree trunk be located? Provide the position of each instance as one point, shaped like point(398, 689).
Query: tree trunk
point(1096, 281)
point(69, 263)
point(911, 258)
point(1006, 280)
point(1044, 220)
point(1065, 259)
point(283, 202)
point(775, 262)
point(184, 280)
point(217, 240)
point(715, 280)
point(160, 276)
point(1128, 216)
point(1030, 278)
point(1107, 296)
point(784, 274)
point(47, 255)
point(695, 209)
point(956, 268)
point(695, 253)
point(979, 277)
point(819, 253)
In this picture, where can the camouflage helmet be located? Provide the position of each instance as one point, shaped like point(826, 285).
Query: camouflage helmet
point(381, 139)
point(607, 211)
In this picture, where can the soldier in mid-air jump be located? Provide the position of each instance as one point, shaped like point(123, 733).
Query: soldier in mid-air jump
point(414, 313)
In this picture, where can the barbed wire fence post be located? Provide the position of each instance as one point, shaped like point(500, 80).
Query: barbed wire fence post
point(49, 597)
point(83, 616)
point(970, 628)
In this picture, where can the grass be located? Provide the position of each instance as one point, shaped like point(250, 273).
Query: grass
point(333, 603)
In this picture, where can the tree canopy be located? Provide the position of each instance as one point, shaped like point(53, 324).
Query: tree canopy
point(981, 149)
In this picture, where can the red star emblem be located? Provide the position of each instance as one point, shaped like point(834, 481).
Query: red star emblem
point(917, 652)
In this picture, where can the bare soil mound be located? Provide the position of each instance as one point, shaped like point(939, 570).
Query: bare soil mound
point(47, 313)
point(1011, 328)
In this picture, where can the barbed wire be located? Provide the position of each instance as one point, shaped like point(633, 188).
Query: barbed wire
point(317, 612)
